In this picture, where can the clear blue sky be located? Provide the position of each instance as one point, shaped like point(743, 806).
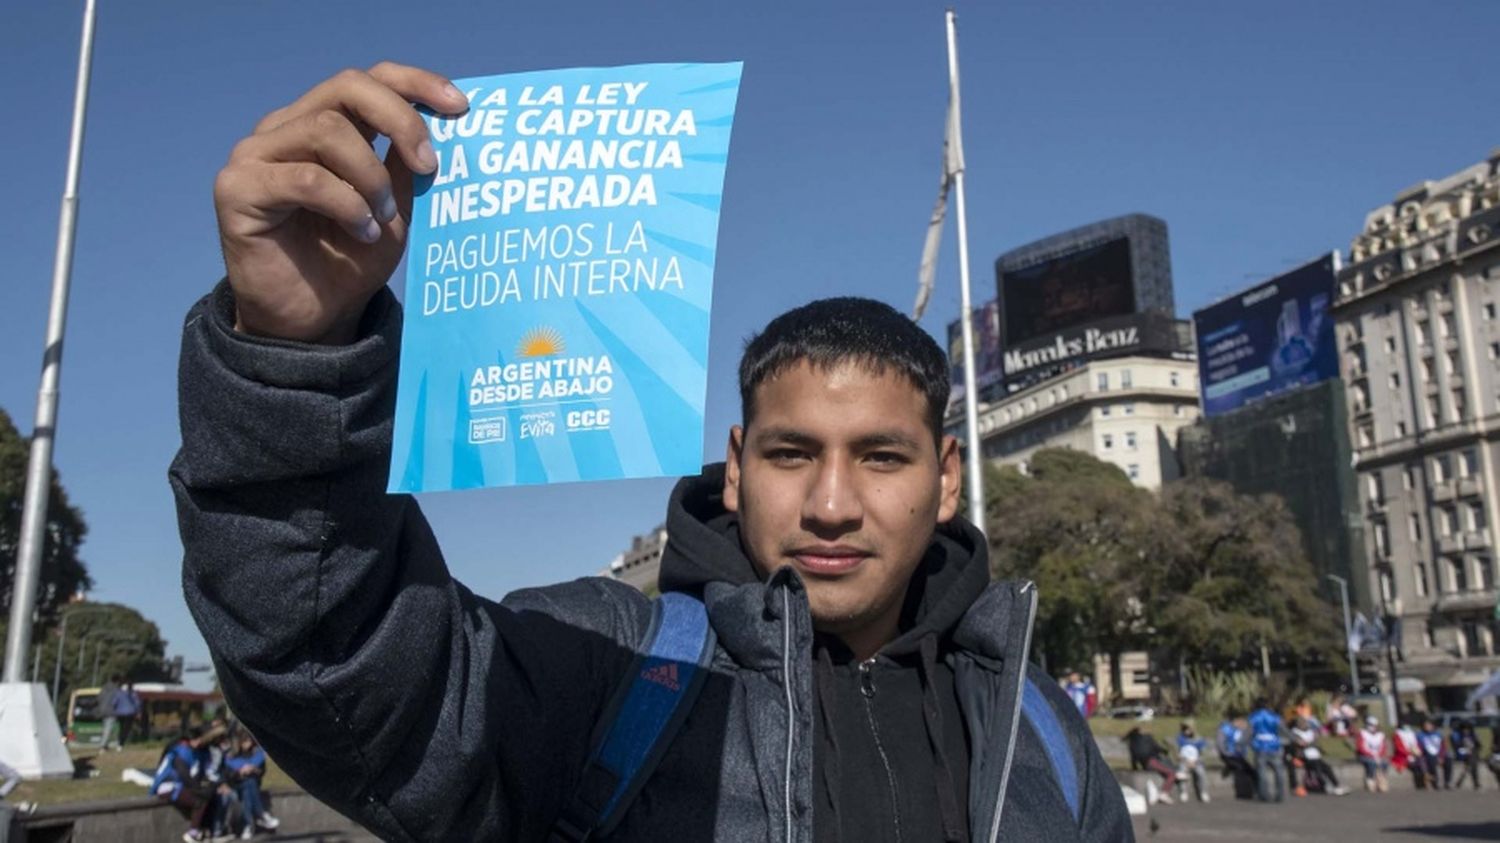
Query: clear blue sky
point(1261, 132)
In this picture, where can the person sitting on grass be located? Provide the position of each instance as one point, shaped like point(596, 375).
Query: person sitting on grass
point(246, 766)
point(1147, 754)
point(1190, 762)
point(179, 779)
point(1316, 772)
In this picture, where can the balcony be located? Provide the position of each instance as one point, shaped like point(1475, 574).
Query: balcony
point(1477, 539)
point(1468, 487)
point(1461, 601)
point(1374, 506)
point(1450, 544)
point(1442, 492)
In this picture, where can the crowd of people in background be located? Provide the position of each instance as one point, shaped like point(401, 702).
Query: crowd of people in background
point(212, 775)
point(1267, 755)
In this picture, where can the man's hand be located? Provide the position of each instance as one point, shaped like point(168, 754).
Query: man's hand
point(312, 223)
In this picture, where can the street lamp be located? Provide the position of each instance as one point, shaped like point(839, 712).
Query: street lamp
point(1348, 635)
point(62, 638)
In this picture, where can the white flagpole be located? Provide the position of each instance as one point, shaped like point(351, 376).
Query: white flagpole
point(39, 469)
point(971, 400)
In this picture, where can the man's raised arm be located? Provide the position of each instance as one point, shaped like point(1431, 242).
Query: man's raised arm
point(382, 685)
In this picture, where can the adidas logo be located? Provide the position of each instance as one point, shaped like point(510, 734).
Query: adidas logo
point(664, 675)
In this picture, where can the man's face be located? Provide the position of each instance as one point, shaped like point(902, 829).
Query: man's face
point(838, 476)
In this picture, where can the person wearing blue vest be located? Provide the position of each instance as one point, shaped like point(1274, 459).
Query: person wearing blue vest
point(854, 673)
point(1265, 741)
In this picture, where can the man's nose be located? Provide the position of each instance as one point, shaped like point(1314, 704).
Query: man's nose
point(833, 500)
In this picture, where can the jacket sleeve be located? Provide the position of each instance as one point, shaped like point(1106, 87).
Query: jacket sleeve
point(382, 685)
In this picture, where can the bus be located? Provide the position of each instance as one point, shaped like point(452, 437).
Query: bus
point(166, 711)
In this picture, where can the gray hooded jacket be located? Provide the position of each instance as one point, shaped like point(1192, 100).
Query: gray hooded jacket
point(426, 712)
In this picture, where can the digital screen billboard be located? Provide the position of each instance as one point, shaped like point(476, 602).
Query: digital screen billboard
point(987, 338)
point(1268, 339)
point(1078, 287)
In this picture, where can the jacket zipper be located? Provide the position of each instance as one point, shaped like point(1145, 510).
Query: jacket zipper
point(791, 713)
point(1015, 717)
point(867, 690)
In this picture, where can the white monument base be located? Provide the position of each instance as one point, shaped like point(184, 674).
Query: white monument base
point(30, 740)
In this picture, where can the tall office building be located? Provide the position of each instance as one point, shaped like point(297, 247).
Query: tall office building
point(1419, 345)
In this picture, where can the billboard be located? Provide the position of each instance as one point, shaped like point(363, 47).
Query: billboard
point(1072, 289)
point(1132, 333)
point(1271, 338)
point(987, 337)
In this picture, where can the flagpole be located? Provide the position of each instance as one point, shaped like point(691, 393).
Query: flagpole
point(971, 399)
point(39, 469)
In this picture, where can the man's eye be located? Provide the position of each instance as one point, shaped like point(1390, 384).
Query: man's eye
point(887, 458)
point(786, 456)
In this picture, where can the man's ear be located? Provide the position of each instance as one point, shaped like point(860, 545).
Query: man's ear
point(732, 455)
point(952, 473)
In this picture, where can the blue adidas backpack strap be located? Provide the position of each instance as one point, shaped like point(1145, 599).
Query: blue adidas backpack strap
point(644, 715)
point(1043, 719)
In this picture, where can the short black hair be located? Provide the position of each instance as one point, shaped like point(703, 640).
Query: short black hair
point(848, 329)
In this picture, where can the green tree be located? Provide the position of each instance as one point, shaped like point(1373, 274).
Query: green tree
point(63, 573)
point(1235, 578)
point(1079, 528)
point(103, 640)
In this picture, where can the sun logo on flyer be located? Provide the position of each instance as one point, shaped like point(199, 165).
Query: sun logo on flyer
point(541, 341)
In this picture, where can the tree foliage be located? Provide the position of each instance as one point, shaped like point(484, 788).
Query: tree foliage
point(63, 573)
point(1197, 569)
point(103, 640)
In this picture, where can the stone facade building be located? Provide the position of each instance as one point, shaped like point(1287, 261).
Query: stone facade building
point(1419, 343)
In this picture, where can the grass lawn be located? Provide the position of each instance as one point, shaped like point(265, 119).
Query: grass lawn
point(107, 785)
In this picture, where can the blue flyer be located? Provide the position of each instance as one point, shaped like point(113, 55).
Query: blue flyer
point(559, 276)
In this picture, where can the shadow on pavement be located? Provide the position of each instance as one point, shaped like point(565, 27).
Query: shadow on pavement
point(1462, 831)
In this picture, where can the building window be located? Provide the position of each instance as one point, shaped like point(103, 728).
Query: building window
point(1395, 380)
point(1387, 585)
point(1128, 408)
point(1130, 439)
point(1429, 638)
point(1382, 539)
point(1447, 521)
point(1458, 581)
point(1432, 410)
point(1104, 381)
point(1426, 370)
point(1476, 517)
point(1472, 645)
point(1468, 462)
point(1450, 362)
point(1489, 310)
point(1134, 471)
point(1445, 324)
point(1495, 351)
point(1390, 345)
point(1421, 575)
point(1104, 410)
point(1486, 572)
point(1109, 441)
point(1173, 379)
point(1376, 486)
point(1176, 409)
point(1400, 429)
point(1456, 400)
point(1415, 530)
point(1407, 481)
point(1442, 468)
point(1420, 332)
point(1125, 380)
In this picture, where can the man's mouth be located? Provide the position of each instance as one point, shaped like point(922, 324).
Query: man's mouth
point(829, 560)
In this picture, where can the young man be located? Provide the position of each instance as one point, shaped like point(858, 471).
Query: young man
point(1265, 739)
point(1371, 749)
point(868, 681)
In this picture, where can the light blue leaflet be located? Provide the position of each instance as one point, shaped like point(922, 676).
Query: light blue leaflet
point(560, 276)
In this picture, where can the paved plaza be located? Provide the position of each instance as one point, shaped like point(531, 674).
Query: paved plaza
point(1400, 815)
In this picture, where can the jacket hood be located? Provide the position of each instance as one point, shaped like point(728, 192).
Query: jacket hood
point(704, 546)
